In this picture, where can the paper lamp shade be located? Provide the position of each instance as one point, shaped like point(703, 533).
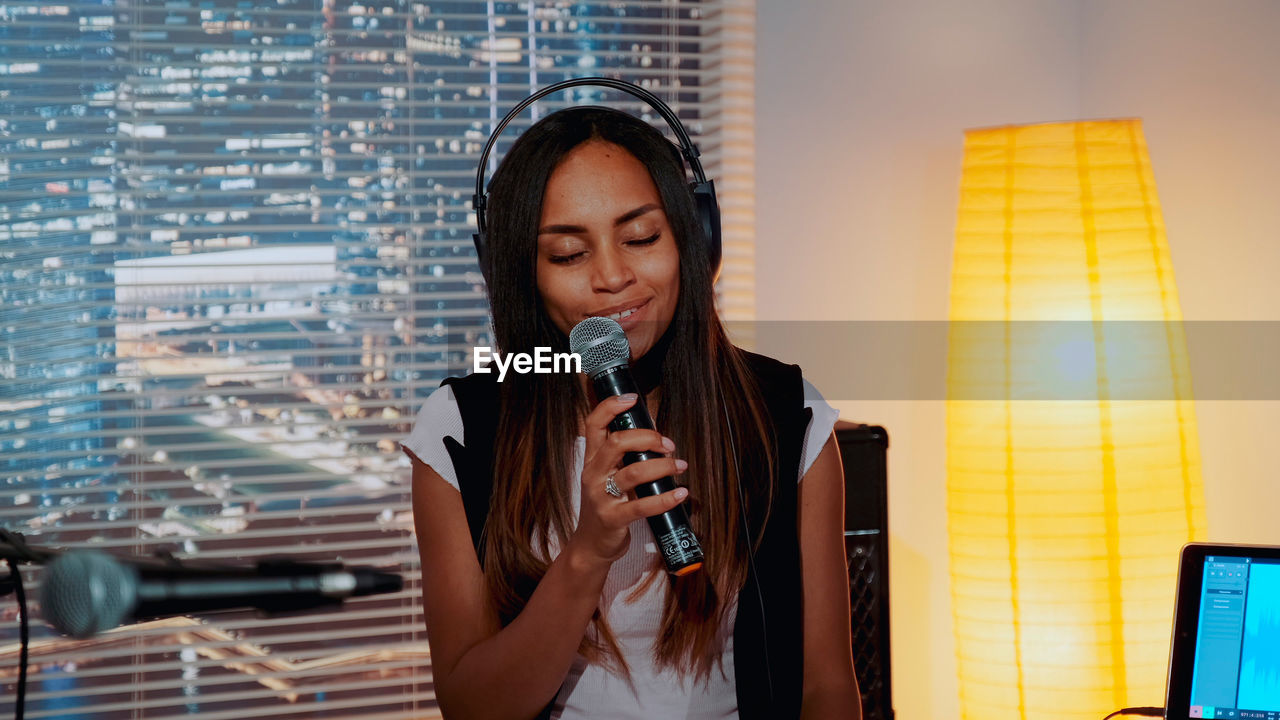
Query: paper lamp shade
point(1073, 465)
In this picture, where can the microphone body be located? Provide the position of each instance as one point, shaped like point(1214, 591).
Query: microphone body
point(87, 591)
point(605, 353)
point(672, 532)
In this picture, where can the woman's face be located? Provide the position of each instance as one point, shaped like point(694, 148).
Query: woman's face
point(604, 245)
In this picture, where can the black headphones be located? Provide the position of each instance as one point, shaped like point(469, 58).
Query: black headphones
point(704, 191)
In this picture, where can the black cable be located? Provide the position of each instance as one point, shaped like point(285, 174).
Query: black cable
point(15, 550)
point(1148, 711)
point(24, 633)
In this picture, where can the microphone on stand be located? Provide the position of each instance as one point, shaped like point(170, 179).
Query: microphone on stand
point(606, 354)
point(85, 592)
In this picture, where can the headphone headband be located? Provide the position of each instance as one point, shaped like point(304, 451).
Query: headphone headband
point(703, 189)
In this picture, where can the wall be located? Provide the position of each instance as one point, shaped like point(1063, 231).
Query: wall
point(860, 112)
point(1204, 78)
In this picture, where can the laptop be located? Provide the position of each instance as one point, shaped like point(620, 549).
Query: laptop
point(1225, 656)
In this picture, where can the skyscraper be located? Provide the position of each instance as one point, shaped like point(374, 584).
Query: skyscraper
point(58, 84)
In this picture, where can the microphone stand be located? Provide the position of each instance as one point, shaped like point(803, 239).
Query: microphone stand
point(14, 550)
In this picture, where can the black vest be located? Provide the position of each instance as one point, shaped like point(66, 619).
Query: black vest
point(777, 560)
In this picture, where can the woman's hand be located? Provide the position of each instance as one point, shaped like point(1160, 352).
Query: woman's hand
point(602, 536)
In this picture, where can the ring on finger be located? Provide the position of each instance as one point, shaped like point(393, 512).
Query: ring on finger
point(612, 488)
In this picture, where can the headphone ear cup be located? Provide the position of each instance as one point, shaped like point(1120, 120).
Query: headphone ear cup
point(704, 195)
point(482, 255)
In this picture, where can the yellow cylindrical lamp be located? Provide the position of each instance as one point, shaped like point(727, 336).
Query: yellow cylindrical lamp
point(1073, 467)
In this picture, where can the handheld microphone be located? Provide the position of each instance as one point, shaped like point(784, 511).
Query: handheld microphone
point(85, 592)
point(606, 354)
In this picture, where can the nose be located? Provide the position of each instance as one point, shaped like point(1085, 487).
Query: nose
point(611, 271)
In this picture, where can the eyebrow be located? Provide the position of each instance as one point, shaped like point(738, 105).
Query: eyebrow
point(621, 219)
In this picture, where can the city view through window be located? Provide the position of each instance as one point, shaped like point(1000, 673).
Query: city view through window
point(235, 256)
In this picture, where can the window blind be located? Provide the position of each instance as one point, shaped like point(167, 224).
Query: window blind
point(235, 257)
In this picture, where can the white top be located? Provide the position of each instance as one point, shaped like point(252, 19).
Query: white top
point(633, 593)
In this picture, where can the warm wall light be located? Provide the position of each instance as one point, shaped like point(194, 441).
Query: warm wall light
point(1067, 497)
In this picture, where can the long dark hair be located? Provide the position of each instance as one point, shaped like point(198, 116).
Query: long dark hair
point(704, 378)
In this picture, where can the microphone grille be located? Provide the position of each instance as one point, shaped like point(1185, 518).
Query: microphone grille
point(601, 343)
point(85, 592)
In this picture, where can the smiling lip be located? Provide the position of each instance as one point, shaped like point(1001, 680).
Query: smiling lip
point(627, 321)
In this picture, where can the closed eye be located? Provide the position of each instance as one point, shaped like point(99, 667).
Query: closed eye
point(563, 259)
point(646, 241)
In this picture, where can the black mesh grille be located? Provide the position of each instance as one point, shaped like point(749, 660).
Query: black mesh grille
point(863, 451)
point(866, 613)
point(85, 592)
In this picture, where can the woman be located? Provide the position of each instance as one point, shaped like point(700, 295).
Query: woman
point(543, 593)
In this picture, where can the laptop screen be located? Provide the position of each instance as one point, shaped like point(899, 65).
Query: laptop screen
point(1237, 650)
